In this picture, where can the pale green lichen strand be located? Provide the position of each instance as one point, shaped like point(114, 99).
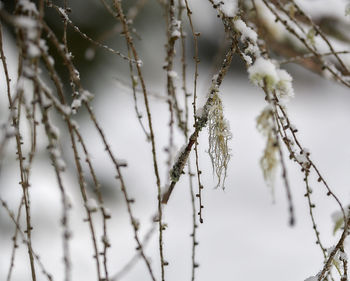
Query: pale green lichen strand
point(219, 135)
point(269, 160)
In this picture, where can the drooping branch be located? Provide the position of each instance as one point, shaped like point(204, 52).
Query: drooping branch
point(202, 120)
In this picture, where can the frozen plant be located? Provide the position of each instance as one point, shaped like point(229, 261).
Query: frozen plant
point(49, 105)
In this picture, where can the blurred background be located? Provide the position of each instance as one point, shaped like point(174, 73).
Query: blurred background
point(245, 235)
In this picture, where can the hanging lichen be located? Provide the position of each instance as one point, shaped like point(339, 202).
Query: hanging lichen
point(219, 135)
point(269, 160)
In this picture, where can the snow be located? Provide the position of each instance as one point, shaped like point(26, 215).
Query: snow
point(227, 7)
point(69, 56)
point(10, 131)
point(172, 74)
point(21, 83)
point(33, 50)
point(175, 34)
point(51, 61)
point(56, 152)
point(139, 63)
point(25, 22)
point(91, 205)
point(43, 46)
point(312, 278)
point(86, 96)
point(61, 165)
point(200, 111)
point(64, 108)
point(63, 13)
point(263, 69)
point(284, 75)
point(301, 158)
point(76, 104)
point(74, 124)
point(246, 31)
point(321, 8)
point(338, 46)
point(175, 25)
point(343, 256)
point(253, 49)
point(54, 131)
point(284, 85)
point(122, 163)
point(27, 6)
point(247, 59)
point(107, 212)
point(276, 29)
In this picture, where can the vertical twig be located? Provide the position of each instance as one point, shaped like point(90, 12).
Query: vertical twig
point(129, 40)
